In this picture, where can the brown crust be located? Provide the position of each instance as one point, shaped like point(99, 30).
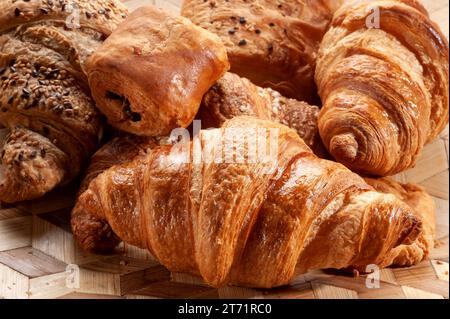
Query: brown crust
point(272, 43)
point(100, 15)
point(233, 96)
point(423, 206)
point(244, 223)
point(31, 166)
point(43, 88)
point(385, 91)
point(148, 82)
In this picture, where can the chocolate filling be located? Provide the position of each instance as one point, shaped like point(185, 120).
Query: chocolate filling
point(126, 107)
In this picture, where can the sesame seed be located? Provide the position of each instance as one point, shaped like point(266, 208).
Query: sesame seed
point(26, 93)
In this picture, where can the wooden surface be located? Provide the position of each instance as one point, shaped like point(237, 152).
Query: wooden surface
point(39, 258)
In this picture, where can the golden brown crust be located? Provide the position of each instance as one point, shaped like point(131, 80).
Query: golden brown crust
point(149, 76)
point(423, 206)
point(119, 150)
point(384, 90)
point(246, 223)
point(44, 91)
point(102, 16)
point(31, 166)
point(272, 43)
point(233, 96)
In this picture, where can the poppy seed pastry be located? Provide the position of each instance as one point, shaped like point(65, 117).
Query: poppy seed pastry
point(234, 96)
point(272, 43)
point(150, 75)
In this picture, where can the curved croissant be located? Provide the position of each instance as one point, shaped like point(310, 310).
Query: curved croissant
point(239, 221)
point(384, 88)
point(150, 75)
point(44, 98)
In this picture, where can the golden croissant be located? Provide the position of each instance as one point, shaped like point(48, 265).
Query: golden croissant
point(383, 77)
point(208, 208)
point(45, 101)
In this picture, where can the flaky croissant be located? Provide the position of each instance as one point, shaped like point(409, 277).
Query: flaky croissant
point(239, 221)
point(423, 206)
point(383, 78)
point(44, 98)
point(233, 96)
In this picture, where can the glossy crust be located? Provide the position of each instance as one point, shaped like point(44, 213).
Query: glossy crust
point(384, 91)
point(149, 76)
point(423, 206)
point(44, 97)
point(233, 96)
point(119, 150)
point(272, 43)
point(246, 223)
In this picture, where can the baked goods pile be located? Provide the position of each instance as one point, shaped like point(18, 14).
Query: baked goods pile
point(286, 197)
point(44, 97)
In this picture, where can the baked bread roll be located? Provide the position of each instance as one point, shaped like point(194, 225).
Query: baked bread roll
point(233, 96)
point(272, 43)
point(44, 97)
point(249, 223)
point(150, 75)
point(384, 90)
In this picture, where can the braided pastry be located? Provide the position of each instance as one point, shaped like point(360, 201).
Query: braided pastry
point(384, 90)
point(44, 97)
point(250, 223)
